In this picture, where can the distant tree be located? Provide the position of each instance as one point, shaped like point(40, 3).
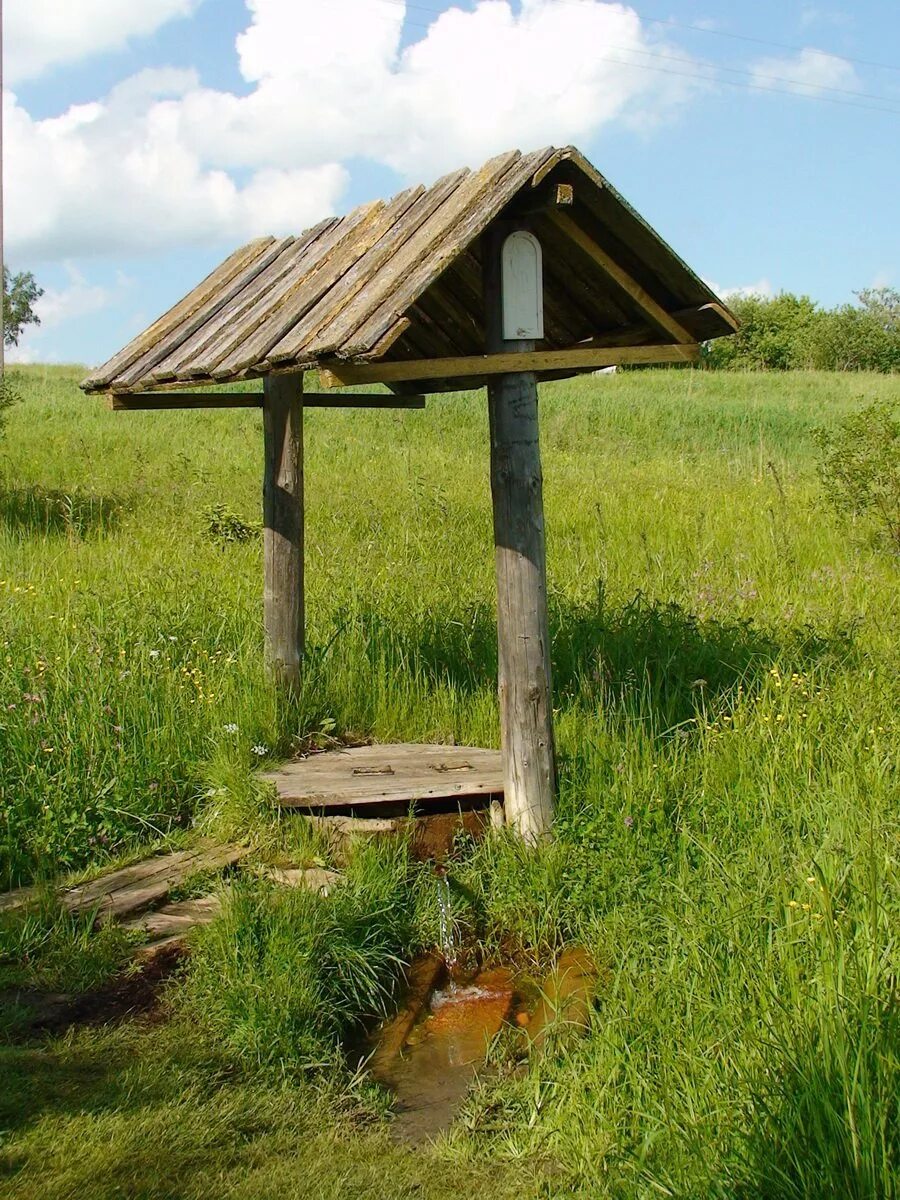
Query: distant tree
point(20, 293)
point(789, 332)
point(883, 304)
point(776, 334)
point(856, 338)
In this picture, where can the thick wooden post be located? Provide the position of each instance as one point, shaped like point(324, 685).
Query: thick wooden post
point(283, 525)
point(526, 715)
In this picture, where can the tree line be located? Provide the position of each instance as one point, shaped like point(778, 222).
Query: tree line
point(789, 333)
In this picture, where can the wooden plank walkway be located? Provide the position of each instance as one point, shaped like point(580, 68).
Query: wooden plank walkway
point(136, 887)
point(366, 776)
point(168, 926)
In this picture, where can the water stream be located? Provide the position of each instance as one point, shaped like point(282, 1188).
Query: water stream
point(429, 1052)
point(449, 944)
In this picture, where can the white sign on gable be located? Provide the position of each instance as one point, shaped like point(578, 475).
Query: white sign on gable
point(522, 287)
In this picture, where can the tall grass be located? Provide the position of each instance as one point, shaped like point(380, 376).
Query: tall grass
point(727, 689)
point(286, 974)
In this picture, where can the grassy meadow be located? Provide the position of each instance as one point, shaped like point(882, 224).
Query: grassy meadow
point(727, 688)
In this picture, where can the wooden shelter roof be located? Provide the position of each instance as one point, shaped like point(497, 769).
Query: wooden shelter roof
point(401, 280)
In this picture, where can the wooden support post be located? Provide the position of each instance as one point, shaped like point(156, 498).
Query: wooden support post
point(283, 525)
point(523, 640)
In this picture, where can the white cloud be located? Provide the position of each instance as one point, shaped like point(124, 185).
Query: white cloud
point(39, 34)
point(154, 164)
point(112, 177)
point(762, 287)
point(475, 83)
point(812, 14)
point(75, 299)
point(806, 73)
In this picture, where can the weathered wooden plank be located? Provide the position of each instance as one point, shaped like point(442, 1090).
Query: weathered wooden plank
point(357, 756)
point(392, 773)
point(84, 896)
point(550, 163)
point(656, 314)
point(393, 335)
point(189, 359)
point(141, 368)
point(283, 519)
point(426, 338)
point(140, 896)
point(456, 327)
point(721, 311)
point(520, 559)
point(340, 374)
point(19, 898)
point(702, 321)
point(122, 892)
point(492, 187)
point(470, 210)
point(347, 309)
point(314, 879)
point(195, 301)
point(176, 919)
point(314, 334)
point(402, 788)
point(278, 313)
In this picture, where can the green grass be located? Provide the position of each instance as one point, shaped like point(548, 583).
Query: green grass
point(727, 684)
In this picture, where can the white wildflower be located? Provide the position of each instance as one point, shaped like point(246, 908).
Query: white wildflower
point(230, 727)
point(260, 751)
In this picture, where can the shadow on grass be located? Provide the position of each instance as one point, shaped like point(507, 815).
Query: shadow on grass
point(645, 660)
point(36, 510)
point(37, 1081)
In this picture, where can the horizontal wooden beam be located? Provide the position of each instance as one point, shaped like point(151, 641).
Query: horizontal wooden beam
point(330, 400)
point(194, 400)
point(161, 400)
point(339, 374)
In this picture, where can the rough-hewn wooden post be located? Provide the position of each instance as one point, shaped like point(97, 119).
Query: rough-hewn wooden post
point(283, 525)
point(526, 715)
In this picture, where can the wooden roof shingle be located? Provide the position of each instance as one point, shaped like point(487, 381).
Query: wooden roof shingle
point(402, 280)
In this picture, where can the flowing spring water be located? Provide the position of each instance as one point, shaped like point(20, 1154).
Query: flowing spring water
point(449, 946)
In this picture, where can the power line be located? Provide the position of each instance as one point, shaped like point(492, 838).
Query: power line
point(741, 37)
point(744, 37)
point(816, 91)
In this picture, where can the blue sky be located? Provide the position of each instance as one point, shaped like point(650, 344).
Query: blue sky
point(143, 142)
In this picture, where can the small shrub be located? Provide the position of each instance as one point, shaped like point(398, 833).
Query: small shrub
point(860, 467)
point(224, 526)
